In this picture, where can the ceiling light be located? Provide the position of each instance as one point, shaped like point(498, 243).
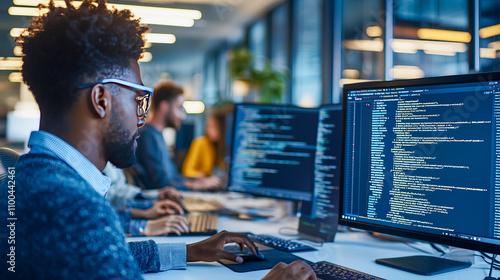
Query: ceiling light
point(487, 53)
point(138, 11)
point(494, 45)
point(404, 46)
point(194, 107)
point(241, 88)
point(374, 31)
point(440, 52)
point(15, 32)
point(375, 45)
point(18, 51)
point(489, 31)
point(434, 47)
point(146, 57)
point(406, 72)
point(23, 11)
point(10, 63)
point(160, 38)
point(346, 81)
point(444, 35)
point(170, 21)
point(16, 77)
point(350, 73)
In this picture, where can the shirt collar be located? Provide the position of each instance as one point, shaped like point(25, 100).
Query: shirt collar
point(42, 142)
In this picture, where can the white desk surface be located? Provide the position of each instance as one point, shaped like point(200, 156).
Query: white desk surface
point(355, 250)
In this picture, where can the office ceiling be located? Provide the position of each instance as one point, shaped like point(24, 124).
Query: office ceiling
point(221, 20)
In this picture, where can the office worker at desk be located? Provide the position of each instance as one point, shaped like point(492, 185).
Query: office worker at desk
point(154, 165)
point(144, 216)
point(81, 65)
point(120, 191)
point(205, 157)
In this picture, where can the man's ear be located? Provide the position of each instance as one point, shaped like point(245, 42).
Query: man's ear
point(100, 100)
point(164, 106)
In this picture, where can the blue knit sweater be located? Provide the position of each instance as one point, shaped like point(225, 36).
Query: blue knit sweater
point(66, 230)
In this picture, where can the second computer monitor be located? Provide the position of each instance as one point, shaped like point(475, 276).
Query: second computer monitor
point(319, 219)
point(273, 151)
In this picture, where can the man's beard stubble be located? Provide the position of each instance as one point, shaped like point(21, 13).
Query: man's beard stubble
point(119, 146)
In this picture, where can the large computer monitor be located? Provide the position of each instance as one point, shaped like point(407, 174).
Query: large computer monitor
point(422, 160)
point(319, 217)
point(273, 151)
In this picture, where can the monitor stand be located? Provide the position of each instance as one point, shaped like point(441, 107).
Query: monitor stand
point(423, 265)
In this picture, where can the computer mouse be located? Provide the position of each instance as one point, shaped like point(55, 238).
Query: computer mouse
point(248, 256)
point(253, 258)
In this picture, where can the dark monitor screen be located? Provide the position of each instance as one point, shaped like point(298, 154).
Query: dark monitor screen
point(422, 159)
point(319, 217)
point(273, 151)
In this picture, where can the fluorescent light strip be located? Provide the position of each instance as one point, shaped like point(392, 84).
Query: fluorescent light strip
point(10, 63)
point(489, 31)
point(15, 32)
point(16, 77)
point(160, 38)
point(444, 35)
point(487, 53)
point(18, 51)
point(23, 11)
point(138, 11)
point(170, 21)
point(146, 19)
point(150, 37)
point(194, 107)
point(146, 57)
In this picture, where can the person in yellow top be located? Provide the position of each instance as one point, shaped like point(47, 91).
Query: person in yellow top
point(205, 157)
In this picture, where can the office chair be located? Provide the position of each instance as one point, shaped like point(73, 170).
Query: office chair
point(8, 158)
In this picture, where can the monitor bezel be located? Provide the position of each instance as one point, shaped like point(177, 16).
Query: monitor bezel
point(428, 237)
point(230, 169)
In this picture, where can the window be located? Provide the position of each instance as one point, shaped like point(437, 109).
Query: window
point(257, 43)
point(362, 43)
point(489, 35)
point(430, 38)
point(280, 41)
point(306, 33)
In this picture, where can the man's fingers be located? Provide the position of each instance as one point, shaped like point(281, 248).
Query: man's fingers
point(280, 265)
point(166, 204)
point(303, 270)
point(184, 223)
point(240, 238)
point(230, 256)
point(175, 225)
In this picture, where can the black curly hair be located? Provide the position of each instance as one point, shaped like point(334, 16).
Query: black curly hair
point(68, 46)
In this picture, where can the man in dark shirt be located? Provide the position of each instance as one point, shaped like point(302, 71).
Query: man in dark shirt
point(81, 65)
point(154, 164)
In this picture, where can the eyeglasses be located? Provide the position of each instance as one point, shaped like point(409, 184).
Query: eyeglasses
point(143, 102)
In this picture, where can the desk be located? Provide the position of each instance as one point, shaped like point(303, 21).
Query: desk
point(356, 250)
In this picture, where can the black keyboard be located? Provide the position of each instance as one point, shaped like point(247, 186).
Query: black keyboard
point(329, 271)
point(279, 243)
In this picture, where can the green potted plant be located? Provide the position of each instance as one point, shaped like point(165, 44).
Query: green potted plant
point(268, 83)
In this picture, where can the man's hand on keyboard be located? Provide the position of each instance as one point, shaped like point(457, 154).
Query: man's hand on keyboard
point(159, 209)
point(204, 183)
point(174, 223)
point(212, 249)
point(169, 193)
point(297, 270)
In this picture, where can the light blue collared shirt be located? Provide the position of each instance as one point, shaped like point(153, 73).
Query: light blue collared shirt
point(172, 255)
point(42, 142)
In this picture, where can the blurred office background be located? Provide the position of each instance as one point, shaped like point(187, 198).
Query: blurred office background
point(316, 46)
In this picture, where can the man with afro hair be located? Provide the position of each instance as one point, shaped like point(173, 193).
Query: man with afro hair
point(81, 65)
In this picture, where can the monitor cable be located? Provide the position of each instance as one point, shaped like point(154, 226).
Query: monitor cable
point(493, 261)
